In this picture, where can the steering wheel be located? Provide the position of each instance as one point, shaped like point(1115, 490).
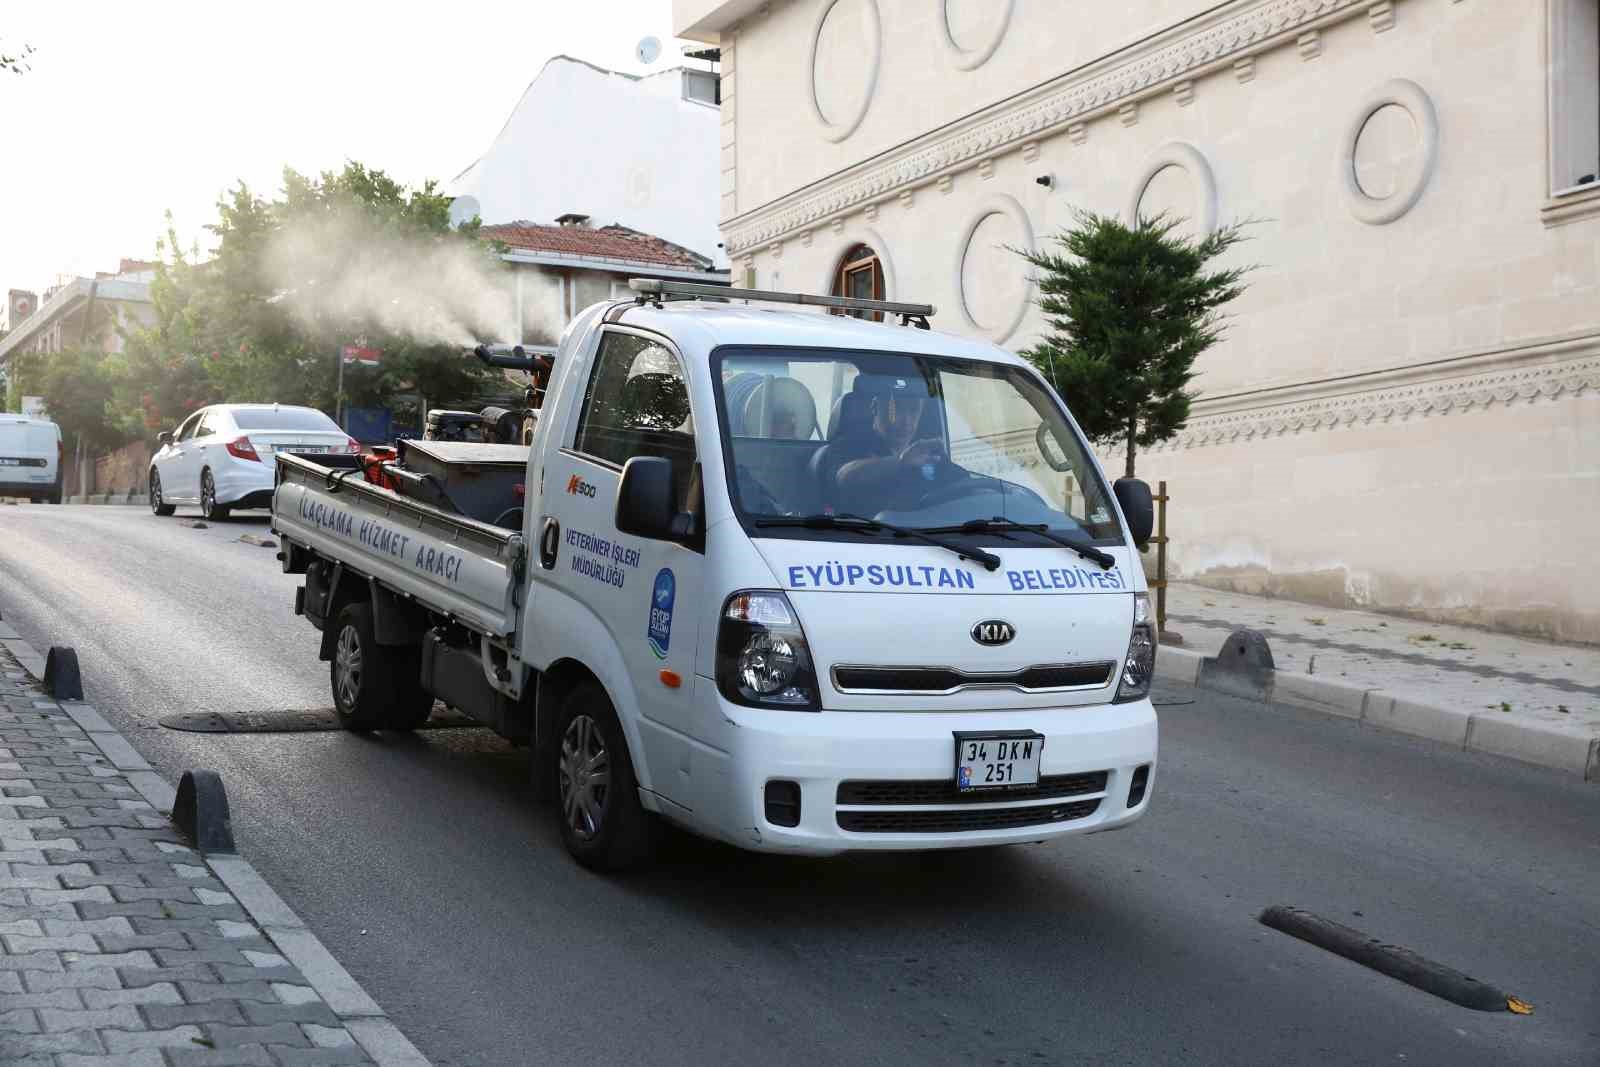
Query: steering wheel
point(944, 490)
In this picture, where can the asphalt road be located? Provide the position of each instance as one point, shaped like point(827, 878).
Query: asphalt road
point(424, 865)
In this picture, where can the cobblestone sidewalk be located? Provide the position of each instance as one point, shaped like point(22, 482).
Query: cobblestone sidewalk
point(121, 944)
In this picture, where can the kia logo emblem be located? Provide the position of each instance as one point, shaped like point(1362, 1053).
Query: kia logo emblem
point(993, 632)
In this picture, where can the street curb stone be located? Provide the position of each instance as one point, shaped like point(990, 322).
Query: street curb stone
point(1418, 719)
point(1569, 750)
point(333, 994)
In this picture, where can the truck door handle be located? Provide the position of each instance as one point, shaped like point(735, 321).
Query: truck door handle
point(549, 543)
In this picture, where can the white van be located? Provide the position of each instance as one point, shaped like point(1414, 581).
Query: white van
point(30, 458)
point(802, 583)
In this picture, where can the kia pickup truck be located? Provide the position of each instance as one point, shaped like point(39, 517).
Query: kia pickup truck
point(798, 581)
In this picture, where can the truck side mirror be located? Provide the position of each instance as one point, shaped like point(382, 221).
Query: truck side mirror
point(1138, 507)
point(645, 506)
point(165, 437)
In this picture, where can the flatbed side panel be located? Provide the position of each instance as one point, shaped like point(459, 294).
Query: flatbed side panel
point(450, 569)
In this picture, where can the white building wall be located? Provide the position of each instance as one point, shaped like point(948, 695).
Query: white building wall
point(614, 147)
point(1404, 413)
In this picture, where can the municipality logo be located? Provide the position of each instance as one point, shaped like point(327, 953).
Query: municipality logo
point(662, 596)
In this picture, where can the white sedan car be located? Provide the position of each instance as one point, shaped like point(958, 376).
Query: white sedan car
point(221, 457)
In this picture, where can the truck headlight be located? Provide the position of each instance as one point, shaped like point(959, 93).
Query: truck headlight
point(1139, 665)
point(762, 658)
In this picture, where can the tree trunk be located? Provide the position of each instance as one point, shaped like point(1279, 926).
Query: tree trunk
point(1133, 426)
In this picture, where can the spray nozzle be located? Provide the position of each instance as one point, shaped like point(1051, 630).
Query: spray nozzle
point(511, 357)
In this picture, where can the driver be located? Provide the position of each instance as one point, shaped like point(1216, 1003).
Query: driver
point(887, 468)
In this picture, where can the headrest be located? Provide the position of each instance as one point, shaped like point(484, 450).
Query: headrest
point(852, 414)
point(780, 407)
point(654, 400)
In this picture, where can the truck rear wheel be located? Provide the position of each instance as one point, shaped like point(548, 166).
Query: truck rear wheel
point(603, 825)
point(373, 686)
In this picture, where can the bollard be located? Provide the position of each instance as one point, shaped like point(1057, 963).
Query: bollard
point(62, 679)
point(1243, 667)
point(201, 811)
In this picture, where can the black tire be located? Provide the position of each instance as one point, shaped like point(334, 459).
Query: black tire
point(611, 832)
point(213, 511)
point(55, 497)
point(158, 502)
point(374, 687)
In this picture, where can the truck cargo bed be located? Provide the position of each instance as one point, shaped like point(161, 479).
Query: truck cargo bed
point(451, 564)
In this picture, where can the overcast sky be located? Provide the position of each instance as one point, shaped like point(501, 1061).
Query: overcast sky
point(132, 109)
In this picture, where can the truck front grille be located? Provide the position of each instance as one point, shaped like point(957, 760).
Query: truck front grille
point(1041, 678)
point(944, 791)
point(954, 822)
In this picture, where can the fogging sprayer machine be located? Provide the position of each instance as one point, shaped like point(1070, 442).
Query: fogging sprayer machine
point(503, 424)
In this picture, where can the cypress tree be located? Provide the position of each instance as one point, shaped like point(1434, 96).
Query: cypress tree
point(1130, 308)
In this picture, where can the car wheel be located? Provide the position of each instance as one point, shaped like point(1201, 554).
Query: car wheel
point(158, 503)
point(209, 507)
point(603, 824)
point(374, 687)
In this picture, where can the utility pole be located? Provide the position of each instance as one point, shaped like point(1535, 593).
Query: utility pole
point(338, 394)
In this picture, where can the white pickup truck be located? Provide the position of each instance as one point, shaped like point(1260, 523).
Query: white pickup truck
point(800, 582)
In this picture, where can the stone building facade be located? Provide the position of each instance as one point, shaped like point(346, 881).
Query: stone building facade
point(1405, 413)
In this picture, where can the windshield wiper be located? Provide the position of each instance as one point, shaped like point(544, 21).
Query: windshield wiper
point(857, 522)
point(999, 525)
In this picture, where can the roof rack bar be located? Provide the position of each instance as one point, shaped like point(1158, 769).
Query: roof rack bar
point(656, 288)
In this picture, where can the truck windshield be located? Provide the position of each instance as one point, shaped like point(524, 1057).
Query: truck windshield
point(925, 442)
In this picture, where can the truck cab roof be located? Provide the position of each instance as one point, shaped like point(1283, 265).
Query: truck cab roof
point(714, 323)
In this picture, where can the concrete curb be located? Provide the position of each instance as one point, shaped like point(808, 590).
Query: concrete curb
point(1571, 750)
point(360, 1014)
point(137, 500)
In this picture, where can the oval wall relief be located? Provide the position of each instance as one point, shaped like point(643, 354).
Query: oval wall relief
point(971, 30)
point(846, 47)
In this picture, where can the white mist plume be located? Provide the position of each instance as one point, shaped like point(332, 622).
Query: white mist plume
point(354, 272)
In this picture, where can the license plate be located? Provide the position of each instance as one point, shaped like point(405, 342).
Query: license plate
point(1000, 760)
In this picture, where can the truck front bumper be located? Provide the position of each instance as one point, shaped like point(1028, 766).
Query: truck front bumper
point(898, 769)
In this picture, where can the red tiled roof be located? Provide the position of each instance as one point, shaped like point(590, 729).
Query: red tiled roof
point(607, 242)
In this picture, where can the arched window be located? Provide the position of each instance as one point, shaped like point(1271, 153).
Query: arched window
point(861, 276)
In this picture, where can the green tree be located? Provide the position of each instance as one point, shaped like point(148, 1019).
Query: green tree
point(1130, 308)
point(78, 387)
point(348, 256)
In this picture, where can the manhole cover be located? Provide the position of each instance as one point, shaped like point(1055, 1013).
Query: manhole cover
point(288, 722)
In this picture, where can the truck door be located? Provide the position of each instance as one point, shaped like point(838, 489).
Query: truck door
point(640, 593)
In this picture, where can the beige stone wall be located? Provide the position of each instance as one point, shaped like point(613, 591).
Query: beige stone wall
point(891, 63)
point(1420, 503)
point(1401, 415)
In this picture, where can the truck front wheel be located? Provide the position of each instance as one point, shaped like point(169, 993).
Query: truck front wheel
point(603, 825)
point(374, 687)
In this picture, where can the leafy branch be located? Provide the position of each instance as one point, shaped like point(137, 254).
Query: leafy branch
point(17, 64)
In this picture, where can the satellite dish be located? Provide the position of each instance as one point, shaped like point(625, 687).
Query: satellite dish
point(647, 51)
point(464, 209)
